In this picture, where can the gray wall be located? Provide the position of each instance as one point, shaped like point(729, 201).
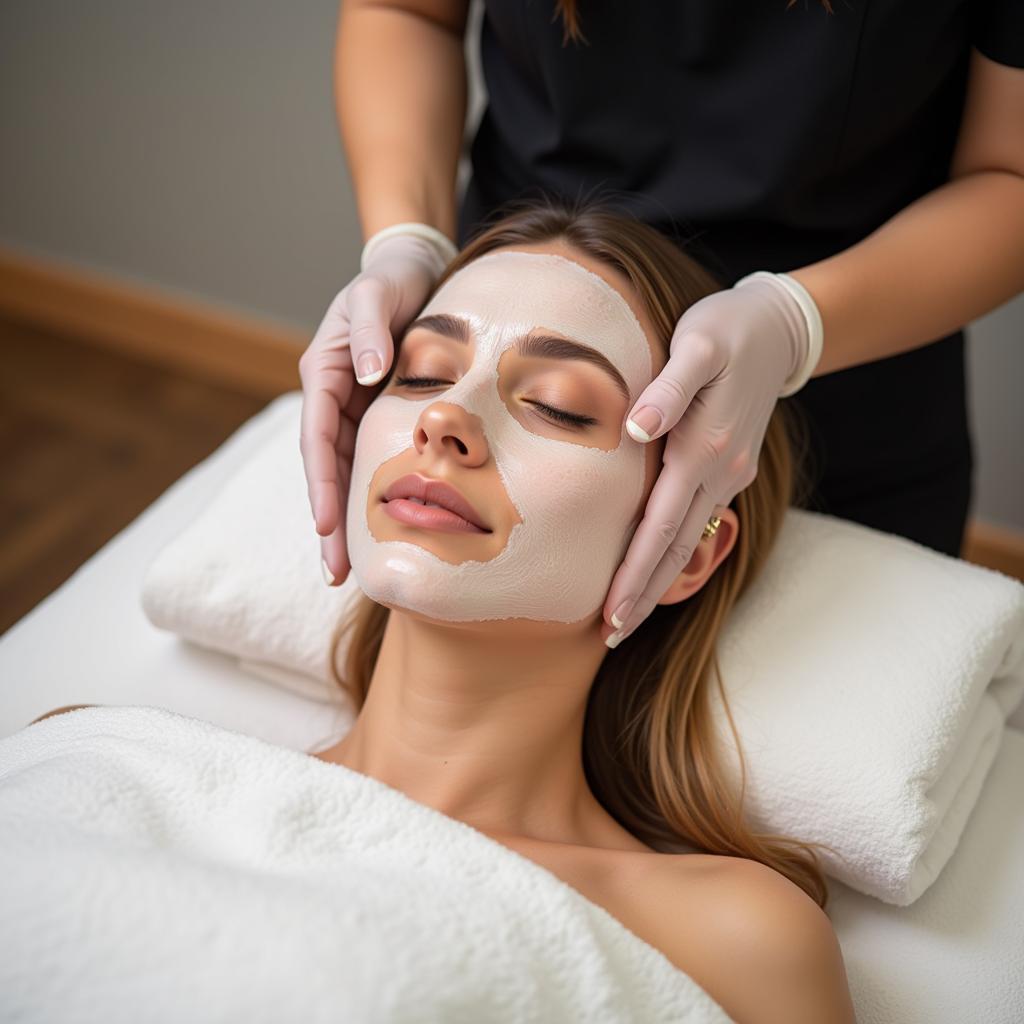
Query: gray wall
point(193, 146)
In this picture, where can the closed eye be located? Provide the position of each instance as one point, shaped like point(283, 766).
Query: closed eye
point(561, 416)
point(420, 382)
point(558, 415)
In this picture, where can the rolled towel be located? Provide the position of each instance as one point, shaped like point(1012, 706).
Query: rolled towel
point(869, 676)
point(156, 867)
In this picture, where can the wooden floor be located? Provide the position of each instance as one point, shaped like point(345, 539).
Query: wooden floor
point(88, 439)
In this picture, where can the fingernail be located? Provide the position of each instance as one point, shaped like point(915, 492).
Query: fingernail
point(326, 573)
point(370, 368)
point(613, 639)
point(621, 613)
point(644, 424)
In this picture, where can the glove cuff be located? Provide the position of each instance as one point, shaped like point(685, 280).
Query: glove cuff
point(812, 317)
point(442, 246)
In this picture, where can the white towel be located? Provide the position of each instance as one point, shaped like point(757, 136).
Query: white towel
point(155, 867)
point(870, 679)
point(869, 676)
point(244, 578)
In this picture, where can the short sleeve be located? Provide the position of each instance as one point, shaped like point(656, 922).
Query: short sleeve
point(997, 30)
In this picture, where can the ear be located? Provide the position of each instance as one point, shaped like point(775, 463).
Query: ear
point(706, 558)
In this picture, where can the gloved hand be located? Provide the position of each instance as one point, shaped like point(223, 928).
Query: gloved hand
point(399, 267)
point(732, 355)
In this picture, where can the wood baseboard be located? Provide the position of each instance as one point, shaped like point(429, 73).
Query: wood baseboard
point(231, 349)
point(244, 353)
point(994, 547)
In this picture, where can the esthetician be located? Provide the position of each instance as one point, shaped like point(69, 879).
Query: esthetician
point(853, 175)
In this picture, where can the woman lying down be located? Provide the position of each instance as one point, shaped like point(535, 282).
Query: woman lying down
point(522, 824)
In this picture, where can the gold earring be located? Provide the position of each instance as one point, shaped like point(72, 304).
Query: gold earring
point(713, 523)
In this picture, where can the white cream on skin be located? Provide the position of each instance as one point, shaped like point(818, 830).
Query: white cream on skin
point(578, 504)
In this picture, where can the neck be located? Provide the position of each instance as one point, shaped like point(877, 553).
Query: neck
point(484, 723)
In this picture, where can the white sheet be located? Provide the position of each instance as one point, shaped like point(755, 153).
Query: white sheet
point(955, 955)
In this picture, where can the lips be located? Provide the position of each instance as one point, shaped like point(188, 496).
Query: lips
point(435, 492)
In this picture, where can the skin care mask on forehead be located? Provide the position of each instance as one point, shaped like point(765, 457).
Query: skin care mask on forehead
point(578, 504)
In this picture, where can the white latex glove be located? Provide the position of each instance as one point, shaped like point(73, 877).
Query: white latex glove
point(733, 354)
point(398, 272)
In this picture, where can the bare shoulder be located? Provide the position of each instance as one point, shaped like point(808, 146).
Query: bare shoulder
point(754, 940)
point(60, 711)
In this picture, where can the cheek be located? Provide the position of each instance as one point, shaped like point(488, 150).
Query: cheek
point(385, 430)
point(387, 422)
point(573, 497)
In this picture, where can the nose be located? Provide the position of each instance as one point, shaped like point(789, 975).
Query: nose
point(444, 428)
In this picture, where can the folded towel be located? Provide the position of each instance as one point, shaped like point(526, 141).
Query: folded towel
point(869, 676)
point(249, 581)
point(155, 867)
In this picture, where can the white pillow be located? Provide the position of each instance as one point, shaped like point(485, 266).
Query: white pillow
point(869, 677)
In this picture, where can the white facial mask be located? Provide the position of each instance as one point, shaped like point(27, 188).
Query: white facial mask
point(578, 504)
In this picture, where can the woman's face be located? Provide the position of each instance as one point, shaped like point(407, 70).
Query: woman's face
point(512, 389)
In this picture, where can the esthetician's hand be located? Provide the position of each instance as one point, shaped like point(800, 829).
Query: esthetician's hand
point(732, 355)
point(355, 336)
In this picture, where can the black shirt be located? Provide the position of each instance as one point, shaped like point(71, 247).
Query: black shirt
point(764, 138)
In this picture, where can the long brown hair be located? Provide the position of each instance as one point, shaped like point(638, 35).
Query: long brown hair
point(569, 11)
point(649, 750)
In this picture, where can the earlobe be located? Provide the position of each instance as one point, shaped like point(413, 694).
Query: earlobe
point(709, 554)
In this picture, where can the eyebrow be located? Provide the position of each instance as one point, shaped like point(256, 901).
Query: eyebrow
point(545, 346)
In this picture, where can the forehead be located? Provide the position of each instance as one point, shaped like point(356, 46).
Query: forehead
point(507, 294)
